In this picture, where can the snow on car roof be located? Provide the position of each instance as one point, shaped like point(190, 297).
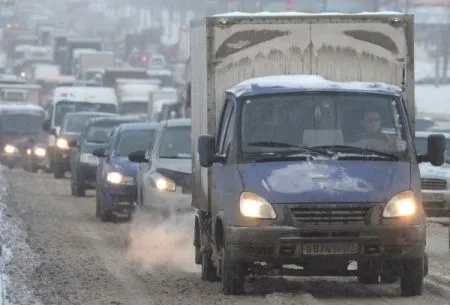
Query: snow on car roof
point(294, 83)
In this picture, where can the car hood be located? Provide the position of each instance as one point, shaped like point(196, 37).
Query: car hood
point(177, 165)
point(326, 182)
point(125, 166)
point(429, 171)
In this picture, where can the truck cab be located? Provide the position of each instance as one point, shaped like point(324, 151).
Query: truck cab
point(302, 149)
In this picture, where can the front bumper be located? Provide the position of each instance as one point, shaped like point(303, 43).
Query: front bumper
point(88, 172)
point(293, 245)
point(169, 201)
point(119, 198)
point(436, 202)
point(12, 160)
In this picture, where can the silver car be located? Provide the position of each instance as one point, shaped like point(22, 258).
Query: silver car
point(435, 180)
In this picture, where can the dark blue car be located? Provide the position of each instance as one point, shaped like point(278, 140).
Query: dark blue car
point(116, 175)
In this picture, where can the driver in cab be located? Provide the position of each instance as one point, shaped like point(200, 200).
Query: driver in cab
point(372, 135)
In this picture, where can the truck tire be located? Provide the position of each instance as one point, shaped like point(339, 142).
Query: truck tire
point(425, 265)
point(365, 275)
point(58, 171)
point(209, 271)
point(78, 186)
point(411, 280)
point(232, 274)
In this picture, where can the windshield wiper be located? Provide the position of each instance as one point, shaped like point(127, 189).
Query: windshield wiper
point(361, 150)
point(288, 145)
point(174, 157)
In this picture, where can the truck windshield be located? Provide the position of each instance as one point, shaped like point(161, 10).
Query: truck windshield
point(175, 143)
point(21, 123)
point(327, 122)
point(133, 140)
point(134, 108)
point(64, 107)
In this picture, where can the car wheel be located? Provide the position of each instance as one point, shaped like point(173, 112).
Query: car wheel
point(411, 280)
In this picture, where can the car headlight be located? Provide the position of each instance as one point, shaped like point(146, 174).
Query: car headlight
point(89, 159)
point(62, 143)
point(40, 152)
point(118, 178)
point(254, 206)
point(10, 149)
point(401, 205)
point(162, 183)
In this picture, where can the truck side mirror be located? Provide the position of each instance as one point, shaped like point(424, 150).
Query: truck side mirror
point(137, 157)
point(99, 152)
point(436, 149)
point(73, 143)
point(207, 151)
point(46, 126)
point(53, 132)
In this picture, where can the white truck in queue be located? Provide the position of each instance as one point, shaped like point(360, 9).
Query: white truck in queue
point(73, 99)
point(302, 148)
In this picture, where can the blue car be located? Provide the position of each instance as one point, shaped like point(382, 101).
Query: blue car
point(116, 175)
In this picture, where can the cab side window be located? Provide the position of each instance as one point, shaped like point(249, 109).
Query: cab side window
point(228, 134)
point(228, 107)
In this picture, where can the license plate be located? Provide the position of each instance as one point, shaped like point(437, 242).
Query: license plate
point(329, 248)
point(433, 197)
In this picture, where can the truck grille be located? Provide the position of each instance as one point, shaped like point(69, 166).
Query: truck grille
point(330, 214)
point(433, 184)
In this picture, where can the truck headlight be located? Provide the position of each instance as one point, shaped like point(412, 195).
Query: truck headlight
point(118, 178)
point(62, 143)
point(162, 183)
point(401, 205)
point(40, 152)
point(10, 149)
point(254, 206)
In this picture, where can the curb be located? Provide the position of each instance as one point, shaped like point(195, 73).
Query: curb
point(438, 285)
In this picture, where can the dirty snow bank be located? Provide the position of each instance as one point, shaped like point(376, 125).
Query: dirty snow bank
point(17, 260)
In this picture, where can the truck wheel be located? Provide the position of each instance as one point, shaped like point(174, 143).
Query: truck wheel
point(425, 265)
point(97, 204)
point(232, 274)
point(78, 187)
point(411, 280)
point(209, 271)
point(365, 275)
point(105, 213)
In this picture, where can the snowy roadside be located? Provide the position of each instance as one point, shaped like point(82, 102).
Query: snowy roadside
point(17, 260)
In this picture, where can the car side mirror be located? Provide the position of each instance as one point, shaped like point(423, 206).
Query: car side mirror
point(99, 152)
point(46, 126)
point(436, 149)
point(137, 157)
point(53, 131)
point(73, 143)
point(207, 151)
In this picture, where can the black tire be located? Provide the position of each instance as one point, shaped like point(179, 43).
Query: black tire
point(97, 204)
point(365, 275)
point(425, 265)
point(411, 280)
point(105, 213)
point(78, 187)
point(58, 171)
point(209, 271)
point(232, 274)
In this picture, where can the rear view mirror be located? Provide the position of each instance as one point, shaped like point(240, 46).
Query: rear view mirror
point(99, 152)
point(207, 150)
point(436, 149)
point(137, 157)
point(46, 126)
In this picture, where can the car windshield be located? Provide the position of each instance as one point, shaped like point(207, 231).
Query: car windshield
point(326, 121)
point(75, 123)
point(421, 144)
point(21, 123)
point(134, 108)
point(133, 140)
point(64, 107)
point(99, 133)
point(175, 143)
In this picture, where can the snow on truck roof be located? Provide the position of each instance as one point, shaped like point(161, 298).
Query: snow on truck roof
point(12, 106)
point(101, 95)
point(295, 83)
point(265, 14)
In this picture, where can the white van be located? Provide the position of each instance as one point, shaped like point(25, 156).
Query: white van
point(76, 99)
